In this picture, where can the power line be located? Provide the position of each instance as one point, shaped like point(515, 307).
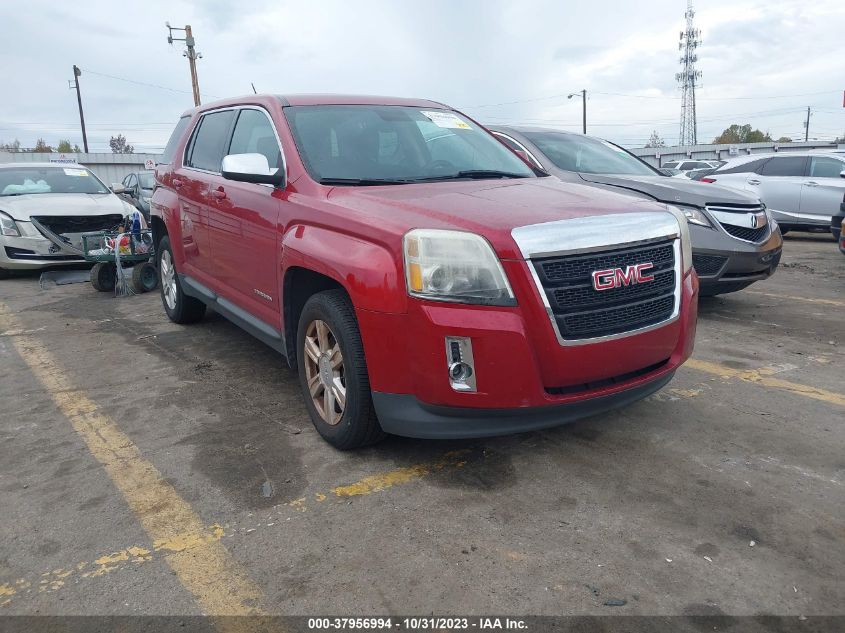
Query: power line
point(148, 85)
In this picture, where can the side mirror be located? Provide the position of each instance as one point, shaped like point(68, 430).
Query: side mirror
point(252, 168)
point(117, 188)
point(842, 174)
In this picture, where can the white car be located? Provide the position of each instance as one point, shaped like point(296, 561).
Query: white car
point(687, 166)
point(802, 189)
point(44, 210)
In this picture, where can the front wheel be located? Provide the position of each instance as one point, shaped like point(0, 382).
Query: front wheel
point(180, 308)
point(333, 372)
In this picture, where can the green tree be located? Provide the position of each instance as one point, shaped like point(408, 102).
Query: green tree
point(784, 139)
point(42, 147)
point(64, 147)
point(655, 141)
point(741, 134)
point(119, 145)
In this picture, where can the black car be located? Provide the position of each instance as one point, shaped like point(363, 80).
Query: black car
point(837, 223)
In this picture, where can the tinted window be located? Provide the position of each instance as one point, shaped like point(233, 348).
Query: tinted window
point(573, 152)
point(672, 164)
point(785, 166)
point(210, 139)
point(254, 134)
point(395, 143)
point(130, 181)
point(170, 148)
point(823, 167)
point(750, 167)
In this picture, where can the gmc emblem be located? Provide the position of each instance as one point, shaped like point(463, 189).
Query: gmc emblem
point(617, 277)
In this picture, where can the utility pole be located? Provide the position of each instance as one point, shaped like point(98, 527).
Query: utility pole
point(190, 52)
point(690, 40)
point(807, 126)
point(583, 96)
point(75, 84)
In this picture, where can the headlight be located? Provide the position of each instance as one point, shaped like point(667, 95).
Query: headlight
point(454, 266)
point(686, 243)
point(8, 226)
point(696, 216)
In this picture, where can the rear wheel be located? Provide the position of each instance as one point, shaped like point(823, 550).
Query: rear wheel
point(180, 308)
point(333, 372)
point(103, 277)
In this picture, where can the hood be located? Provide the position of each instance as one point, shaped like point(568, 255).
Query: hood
point(491, 208)
point(674, 190)
point(62, 204)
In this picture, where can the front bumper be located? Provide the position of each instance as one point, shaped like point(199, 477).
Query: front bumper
point(525, 378)
point(404, 414)
point(32, 251)
point(726, 264)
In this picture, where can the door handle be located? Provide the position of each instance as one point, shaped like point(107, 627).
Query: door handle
point(753, 181)
point(177, 183)
point(218, 194)
point(812, 184)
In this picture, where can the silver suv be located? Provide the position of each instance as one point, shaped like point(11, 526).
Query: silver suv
point(801, 189)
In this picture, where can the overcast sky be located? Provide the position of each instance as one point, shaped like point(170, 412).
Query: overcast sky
point(763, 61)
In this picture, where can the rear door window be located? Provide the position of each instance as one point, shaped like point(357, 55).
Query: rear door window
point(824, 167)
point(785, 166)
point(210, 140)
point(750, 167)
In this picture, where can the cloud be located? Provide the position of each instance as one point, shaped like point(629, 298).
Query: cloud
point(467, 54)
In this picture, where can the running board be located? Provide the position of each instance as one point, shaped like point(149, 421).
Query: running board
point(240, 317)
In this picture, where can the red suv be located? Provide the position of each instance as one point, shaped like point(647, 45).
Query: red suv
point(422, 278)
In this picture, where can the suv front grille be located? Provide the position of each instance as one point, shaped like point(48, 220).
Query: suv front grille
point(747, 234)
point(731, 216)
point(581, 312)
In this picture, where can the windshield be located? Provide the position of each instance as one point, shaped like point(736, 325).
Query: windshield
point(146, 180)
point(588, 155)
point(396, 144)
point(18, 181)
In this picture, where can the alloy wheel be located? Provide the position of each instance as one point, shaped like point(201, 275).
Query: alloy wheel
point(324, 371)
point(168, 279)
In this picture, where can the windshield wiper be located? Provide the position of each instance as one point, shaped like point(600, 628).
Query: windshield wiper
point(363, 182)
point(477, 174)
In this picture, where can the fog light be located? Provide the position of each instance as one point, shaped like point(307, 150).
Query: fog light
point(460, 363)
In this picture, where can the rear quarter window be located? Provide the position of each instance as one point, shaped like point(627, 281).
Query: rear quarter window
point(178, 131)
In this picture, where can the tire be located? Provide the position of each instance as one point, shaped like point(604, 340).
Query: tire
point(4, 274)
point(103, 277)
point(144, 277)
point(355, 424)
point(180, 308)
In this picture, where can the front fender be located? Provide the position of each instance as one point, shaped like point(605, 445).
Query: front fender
point(371, 273)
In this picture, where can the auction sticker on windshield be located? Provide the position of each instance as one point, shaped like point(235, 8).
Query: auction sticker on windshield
point(75, 172)
point(447, 120)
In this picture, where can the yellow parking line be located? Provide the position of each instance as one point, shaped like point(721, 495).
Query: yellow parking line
point(203, 566)
point(133, 556)
point(762, 377)
point(830, 302)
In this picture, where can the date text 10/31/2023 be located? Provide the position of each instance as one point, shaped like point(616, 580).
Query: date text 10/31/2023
point(421, 623)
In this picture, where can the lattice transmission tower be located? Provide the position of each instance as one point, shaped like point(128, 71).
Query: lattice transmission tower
point(687, 79)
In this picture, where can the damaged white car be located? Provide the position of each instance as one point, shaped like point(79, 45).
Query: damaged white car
point(45, 209)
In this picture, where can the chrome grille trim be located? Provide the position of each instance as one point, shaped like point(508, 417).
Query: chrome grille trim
point(746, 217)
point(594, 234)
